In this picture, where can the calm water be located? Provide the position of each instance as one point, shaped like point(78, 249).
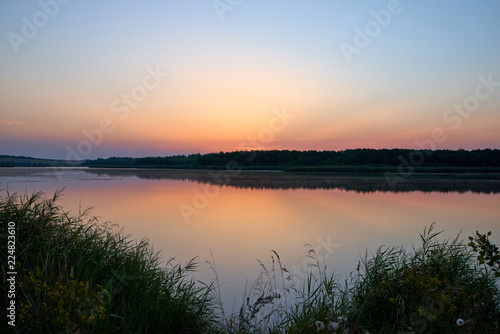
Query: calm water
point(188, 214)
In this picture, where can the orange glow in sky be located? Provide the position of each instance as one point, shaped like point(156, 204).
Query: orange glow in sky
point(175, 78)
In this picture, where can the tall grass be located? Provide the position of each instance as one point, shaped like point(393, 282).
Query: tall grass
point(76, 275)
point(438, 287)
point(425, 291)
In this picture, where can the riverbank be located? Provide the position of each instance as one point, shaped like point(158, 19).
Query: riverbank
point(74, 273)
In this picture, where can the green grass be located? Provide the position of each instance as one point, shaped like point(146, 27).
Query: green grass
point(76, 275)
point(426, 290)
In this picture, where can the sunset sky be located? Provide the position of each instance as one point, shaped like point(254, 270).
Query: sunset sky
point(88, 79)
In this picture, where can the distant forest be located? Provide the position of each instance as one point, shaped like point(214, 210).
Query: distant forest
point(314, 160)
point(22, 161)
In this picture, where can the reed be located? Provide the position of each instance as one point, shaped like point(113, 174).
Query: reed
point(76, 275)
point(438, 287)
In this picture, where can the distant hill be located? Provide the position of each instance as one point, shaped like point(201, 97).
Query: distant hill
point(21, 161)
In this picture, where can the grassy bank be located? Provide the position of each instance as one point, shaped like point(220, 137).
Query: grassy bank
point(438, 287)
point(76, 275)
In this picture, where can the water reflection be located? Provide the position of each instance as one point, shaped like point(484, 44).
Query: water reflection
point(486, 184)
point(254, 213)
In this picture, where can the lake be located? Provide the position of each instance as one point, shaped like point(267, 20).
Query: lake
point(241, 218)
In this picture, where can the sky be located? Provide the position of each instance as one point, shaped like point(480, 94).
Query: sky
point(88, 79)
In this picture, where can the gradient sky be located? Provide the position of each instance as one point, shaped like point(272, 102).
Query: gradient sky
point(67, 67)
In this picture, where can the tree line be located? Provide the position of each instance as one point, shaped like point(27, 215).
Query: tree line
point(279, 159)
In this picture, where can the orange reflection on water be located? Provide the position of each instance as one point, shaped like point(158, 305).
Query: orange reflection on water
point(238, 224)
point(241, 225)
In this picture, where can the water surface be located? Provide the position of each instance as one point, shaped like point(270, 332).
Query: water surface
point(242, 218)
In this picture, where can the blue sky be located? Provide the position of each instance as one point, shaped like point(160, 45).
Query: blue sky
point(228, 71)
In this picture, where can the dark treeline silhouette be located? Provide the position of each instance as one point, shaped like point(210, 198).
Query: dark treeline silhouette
point(22, 161)
point(283, 159)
